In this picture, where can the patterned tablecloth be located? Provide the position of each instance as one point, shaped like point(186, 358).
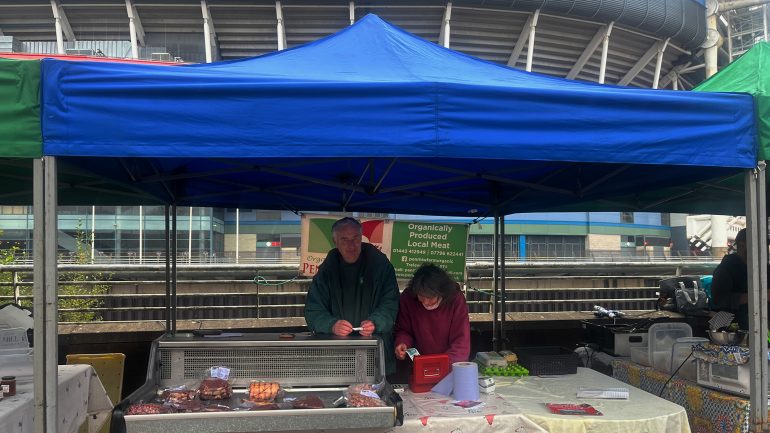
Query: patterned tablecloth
point(709, 411)
point(81, 398)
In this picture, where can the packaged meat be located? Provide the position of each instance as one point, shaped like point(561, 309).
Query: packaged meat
point(357, 399)
point(148, 409)
point(187, 405)
point(213, 388)
point(310, 401)
point(172, 395)
point(264, 391)
point(358, 387)
point(253, 405)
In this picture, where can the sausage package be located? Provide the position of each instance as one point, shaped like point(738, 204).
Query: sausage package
point(364, 395)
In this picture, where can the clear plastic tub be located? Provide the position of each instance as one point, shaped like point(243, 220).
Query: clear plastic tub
point(680, 351)
point(640, 355)
point(661, 338)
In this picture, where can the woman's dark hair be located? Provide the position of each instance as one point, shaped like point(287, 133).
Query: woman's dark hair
point(430, 281)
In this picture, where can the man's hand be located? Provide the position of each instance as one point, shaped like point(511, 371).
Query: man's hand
point(401, 351)
point(342, 328)
point(367, 328)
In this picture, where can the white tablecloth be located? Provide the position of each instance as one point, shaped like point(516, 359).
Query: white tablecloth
point(81, 398)
point(642, 412)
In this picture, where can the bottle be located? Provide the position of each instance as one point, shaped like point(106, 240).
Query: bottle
point(8, 385)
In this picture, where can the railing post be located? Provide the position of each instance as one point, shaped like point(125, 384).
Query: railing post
point(16, 291)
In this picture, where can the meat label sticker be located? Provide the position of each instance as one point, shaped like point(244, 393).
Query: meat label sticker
point(220, 372)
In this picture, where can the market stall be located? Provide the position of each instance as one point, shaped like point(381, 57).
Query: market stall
point(374, 119)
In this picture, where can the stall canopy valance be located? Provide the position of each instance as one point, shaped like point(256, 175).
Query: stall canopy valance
point(20, 135)
point(376, 119)
point(750, 73)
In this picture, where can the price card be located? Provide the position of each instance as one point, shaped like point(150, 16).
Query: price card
point(220, 372)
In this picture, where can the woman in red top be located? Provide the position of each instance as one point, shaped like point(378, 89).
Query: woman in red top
point(433, 316)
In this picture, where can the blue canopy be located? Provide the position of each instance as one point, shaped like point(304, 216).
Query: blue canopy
point(376, 119)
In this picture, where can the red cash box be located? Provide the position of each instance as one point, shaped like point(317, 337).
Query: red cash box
point(427, 371)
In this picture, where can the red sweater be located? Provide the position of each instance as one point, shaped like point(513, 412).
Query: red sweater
point(446, 329)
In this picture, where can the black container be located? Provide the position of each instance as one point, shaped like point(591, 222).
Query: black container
point(547, 360)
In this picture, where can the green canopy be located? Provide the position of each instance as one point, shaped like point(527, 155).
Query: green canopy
point(20, 133)
point(747, 74)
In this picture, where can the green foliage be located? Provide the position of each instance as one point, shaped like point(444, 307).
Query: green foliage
point(7, 257)
point(75, 299)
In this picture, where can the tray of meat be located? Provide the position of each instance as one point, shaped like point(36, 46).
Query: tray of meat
point(213, 388)
point(177, 395)
point(148, 409)
point(310, 401)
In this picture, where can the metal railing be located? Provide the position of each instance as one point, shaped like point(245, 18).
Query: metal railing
point(131, 258)
point(137, 293)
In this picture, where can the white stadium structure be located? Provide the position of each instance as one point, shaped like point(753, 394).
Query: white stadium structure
point(643, 43)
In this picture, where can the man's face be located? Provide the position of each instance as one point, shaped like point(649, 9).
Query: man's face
point(347, 239)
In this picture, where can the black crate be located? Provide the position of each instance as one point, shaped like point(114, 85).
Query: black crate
point(547, 360)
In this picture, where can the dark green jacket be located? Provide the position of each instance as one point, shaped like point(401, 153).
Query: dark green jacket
point(324, 307)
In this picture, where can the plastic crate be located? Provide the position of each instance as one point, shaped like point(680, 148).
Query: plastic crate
point(547, 360)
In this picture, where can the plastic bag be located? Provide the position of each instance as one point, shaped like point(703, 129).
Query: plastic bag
point(178, 394)
point(365, 395)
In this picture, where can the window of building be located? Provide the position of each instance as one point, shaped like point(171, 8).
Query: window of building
point(556, 246)
point(482, 246)
point(627, 217)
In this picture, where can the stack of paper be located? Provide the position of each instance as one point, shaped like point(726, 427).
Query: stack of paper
point(614, 393)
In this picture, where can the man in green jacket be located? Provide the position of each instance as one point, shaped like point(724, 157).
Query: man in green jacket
point(355, 287)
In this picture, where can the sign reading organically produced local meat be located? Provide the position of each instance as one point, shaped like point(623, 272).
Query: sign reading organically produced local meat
point(415, 243)
point(407, 244)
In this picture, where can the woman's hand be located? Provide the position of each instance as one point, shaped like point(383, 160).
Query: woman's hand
point(401, 351)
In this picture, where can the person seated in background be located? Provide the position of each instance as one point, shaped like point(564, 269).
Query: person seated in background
point(355, 287)
point(433, 316)
point(730, 283)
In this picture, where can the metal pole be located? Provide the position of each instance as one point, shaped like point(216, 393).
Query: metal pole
point(206, 31)
point(756, 231)
point(173, 268)
point(503, 335)
point(141, 234)
point(189, 238)
point(58, 27)
point(93, 233)
point(605, 49)
point(46, 355)
point(237, 233)
point(168, 268)
point(531, 42)
point(280, 30)
point(494, 299)
point(659, 64)
point(16, 287)
point(711, 51)
point(132, 29)
point(352, 12)
point(446, 28)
